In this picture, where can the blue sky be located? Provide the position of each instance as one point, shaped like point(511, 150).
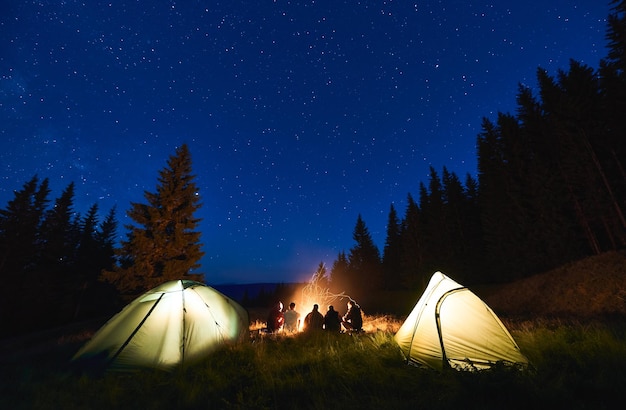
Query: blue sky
point(300, 115)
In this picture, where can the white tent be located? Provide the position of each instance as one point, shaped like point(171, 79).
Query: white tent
point(452, 327)
point(175, 323)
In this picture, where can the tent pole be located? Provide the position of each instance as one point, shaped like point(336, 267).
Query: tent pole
point(446, 364)
point(136, 330)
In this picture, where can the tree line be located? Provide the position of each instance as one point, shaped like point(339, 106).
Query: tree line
point(551, 189)
point(51, 258)
point(59, 266)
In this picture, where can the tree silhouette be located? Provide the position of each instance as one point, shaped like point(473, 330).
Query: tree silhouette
point(163, 245)
point(20, 226)
point(391, 262)
point(339, 273)
point(412, 254)
point(53, 254)
point(364, 268)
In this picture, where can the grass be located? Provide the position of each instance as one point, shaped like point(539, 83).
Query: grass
point(575, 365)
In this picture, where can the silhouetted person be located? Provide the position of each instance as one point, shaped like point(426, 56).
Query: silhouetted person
point(314, 320)
point(352, 320)
point(276, 318)
point(332, 321)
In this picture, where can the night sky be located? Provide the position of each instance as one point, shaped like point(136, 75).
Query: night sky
point(299, 115)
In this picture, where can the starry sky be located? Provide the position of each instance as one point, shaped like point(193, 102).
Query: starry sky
point(299, 115)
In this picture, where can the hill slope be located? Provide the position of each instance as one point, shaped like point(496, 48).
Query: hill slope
point(595, 286)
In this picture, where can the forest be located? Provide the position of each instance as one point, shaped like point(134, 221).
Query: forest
point(550, 189)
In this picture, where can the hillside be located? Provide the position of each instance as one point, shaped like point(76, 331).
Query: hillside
point(592, 287)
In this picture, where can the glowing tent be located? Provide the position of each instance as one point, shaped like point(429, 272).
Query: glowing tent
point(452, 327)
point(175, 323)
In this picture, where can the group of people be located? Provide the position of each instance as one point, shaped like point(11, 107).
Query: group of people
point(289, 320)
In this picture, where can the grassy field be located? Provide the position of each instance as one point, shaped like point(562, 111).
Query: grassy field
point(569, 323)
point(576, 365)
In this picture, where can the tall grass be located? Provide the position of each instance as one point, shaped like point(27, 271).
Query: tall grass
point(574, 365)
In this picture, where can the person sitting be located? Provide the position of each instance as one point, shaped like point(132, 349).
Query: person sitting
point(353, 321)
point(332, 321)
point(292, 319)
point(276, 318)
point(314, 320)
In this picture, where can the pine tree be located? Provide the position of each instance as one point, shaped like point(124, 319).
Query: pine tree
point(571, 104)
point(106, 238)
point(364, 269)
point(434, 225)
point(503, 213)
point(474, 234)
point(392, 252)
point(613, 89)
point(60, 237)
point(87, 252)
point(412, 254)
point(454, 230)
point(163, 245)
point(339, 273)
point(20, 226)
point(19, 256)
point(611, 143)
point(95, 252)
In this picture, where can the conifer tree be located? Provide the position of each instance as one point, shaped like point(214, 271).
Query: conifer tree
point(20, 226)
point(163, 245)
point(87, 245)
point(613, 88)
point(503, 215)
point(392, 252)
point(454, 226)
point(339, 272)
point(612, 144)
point(59, 237)
point(434, 224)
point(364, 270)
point(474, 233)
point(412, 255)
point(20, 223)
point(95, 253)
point(106, 238)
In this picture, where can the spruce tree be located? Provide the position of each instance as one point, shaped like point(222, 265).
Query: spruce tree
point(412, 253)
point(454, 228)
point(106, 238)
point(87, 252)
point(364, 259)
point(163, 244)
point(392, 252)
point(474, 234)
point(20, 224)
point(434, 225)
point(503, 215)
point(59, 238)
point(339, 272)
